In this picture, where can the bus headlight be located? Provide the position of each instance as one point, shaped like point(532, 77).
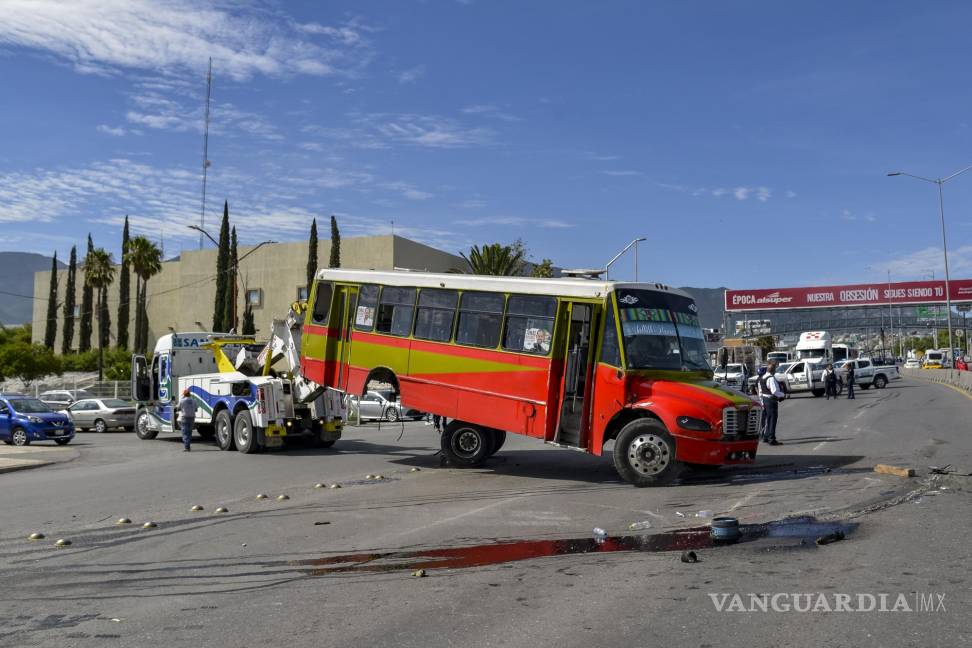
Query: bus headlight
point(691, 423)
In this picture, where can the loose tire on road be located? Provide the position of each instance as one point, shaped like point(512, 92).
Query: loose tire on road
point(19, 437)
point(224, 429)
point(62, 441)
point(244, 434)
point(466, 445)
point(880, 382)
point(644, 454)
point(100, 426)
point(142, 430)
point(499, 438)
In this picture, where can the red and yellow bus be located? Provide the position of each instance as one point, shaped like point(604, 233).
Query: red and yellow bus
point(574, 362)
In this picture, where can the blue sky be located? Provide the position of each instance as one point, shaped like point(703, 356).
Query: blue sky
point(725, 133)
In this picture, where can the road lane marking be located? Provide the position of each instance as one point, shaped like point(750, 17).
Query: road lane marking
point(819, 445)
point(459, 516)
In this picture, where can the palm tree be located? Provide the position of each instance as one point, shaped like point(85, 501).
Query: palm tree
point(145, 258)
point(495, 259)
point(99, 272)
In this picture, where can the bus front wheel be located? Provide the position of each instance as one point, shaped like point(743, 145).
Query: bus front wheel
point(466, 445)
point(644, 454)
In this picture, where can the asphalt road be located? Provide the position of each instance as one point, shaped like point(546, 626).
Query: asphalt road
point(334, 567)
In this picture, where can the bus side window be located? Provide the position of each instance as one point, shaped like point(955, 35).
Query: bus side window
point(436, 311)
point(529, 324)
point(395, 310)
point(610, 350)
point(322, 301)
point(480, 317)
point(364, 316)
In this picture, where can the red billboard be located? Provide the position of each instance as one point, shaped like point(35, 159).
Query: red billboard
point(870, 294)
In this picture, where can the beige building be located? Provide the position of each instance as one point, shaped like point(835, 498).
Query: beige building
point(181, 296)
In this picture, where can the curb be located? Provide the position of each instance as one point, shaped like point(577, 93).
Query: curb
point(27, 466)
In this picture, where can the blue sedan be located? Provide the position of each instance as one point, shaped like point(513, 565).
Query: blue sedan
point(24, 419)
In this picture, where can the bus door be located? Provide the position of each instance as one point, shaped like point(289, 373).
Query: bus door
point(347, 303)
point(577, 385)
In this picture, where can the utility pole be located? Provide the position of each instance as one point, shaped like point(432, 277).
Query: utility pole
point(205, 163)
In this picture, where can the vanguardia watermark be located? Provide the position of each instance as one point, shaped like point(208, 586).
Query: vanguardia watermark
point(927, 602)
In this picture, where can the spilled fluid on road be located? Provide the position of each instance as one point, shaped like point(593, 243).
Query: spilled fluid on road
point(500, 552)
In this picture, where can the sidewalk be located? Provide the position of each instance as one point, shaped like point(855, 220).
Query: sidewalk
point(20, 458)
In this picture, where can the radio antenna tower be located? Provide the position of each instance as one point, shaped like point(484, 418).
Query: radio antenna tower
point(206, 163)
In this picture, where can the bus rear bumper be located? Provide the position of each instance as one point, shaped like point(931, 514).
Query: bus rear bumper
point(715, 452)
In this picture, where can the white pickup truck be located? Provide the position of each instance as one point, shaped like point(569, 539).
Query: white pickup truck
point(867, 373)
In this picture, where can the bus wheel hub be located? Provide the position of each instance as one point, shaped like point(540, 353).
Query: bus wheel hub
point(468, 441)
point(648, 454)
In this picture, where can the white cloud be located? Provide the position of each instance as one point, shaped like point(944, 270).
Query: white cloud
point(741, 193)
point(489, 110)
point(472, 203)
point(763, 194)
point(412, 74)
point(515, 221)
point(111, 130)
point(407, 190)
point(622, 173)
point(244, 39)
point(791, 194)
point(381, 130)
point(920, 263)
point(311, 146)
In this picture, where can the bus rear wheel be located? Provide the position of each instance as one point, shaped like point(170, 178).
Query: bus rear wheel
point(644, 454)
point(466, 445)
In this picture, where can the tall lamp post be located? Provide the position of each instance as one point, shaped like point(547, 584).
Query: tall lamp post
point(941, 208)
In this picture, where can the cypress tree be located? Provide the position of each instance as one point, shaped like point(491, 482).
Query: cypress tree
point(87, 307)
point(222, 265)
point(311, 256)
point(67, 338)
point(335, 260)
point(124, 291)
point(50, 328)
point(229, 305)
point(249, 328)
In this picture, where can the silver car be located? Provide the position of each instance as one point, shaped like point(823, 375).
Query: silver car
point(59, 399)
point(382, 406)
point(101, 414)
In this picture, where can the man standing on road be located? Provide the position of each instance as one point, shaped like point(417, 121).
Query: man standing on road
point(187, 416)
point(849, 379)
point(830, 382)
point(770, 395)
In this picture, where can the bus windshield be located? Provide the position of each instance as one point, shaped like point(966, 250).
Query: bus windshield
point(661, 331)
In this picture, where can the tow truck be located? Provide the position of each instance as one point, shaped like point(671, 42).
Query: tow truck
point(244, 402)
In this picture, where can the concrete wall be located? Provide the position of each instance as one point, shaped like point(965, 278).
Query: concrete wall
point(183, 292)
point(962, 379)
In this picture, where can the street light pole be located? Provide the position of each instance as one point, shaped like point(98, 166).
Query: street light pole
point(941, 208)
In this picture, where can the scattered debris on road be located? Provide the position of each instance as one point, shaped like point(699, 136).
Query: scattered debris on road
point(830, 538)
point(63, 542)
point(894, 470)
point(36, 536)
point(123, 520)
point(196, 508)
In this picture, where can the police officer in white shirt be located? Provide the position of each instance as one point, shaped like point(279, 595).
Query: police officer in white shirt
point(770, 395)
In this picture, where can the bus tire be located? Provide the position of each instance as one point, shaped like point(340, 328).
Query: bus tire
point(244, 434)
point(224, 429)
point(644, 454)
point(499, 438)
point(142, 430)
point(466, 445)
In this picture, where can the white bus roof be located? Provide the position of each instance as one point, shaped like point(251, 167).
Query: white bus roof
point(563, 286)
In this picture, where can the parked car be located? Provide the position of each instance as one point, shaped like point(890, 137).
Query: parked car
point(24, 419)
point(101, 414)
point(61, 398)
point(382, 405)
point(912, 363)
point(731, 375)
point(869, 372)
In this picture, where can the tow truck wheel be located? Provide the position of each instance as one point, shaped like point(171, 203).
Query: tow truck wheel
point(499, 438)
point(466, 445)
point(644, 454)
point(224, 430)
point(243, 433)
point(142, 430)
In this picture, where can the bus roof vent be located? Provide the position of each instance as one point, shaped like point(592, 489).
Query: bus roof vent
point(583, 273)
